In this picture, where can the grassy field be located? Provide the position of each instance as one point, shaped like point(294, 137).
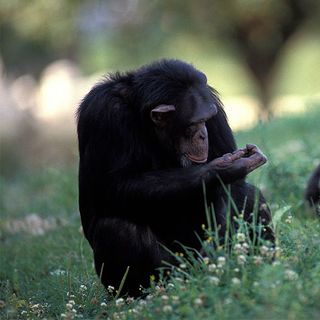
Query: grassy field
point(46, 268)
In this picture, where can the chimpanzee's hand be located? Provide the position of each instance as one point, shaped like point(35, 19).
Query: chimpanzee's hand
point(232, 166)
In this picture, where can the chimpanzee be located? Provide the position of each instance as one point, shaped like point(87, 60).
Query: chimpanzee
point(149, 140)
point(312, 192)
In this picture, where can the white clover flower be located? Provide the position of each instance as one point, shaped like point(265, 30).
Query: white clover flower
point(142, 302)
point(264, 206)
point(135, 311)
point(277, 251)
point(58, 272)
point(221, 262)
point(241, 259)
point(167, 309)
point(198, 302)
point(290, 275)
point(241, 237)
point(214, 280)
point(289, 219)
point(69, 295)
point(164, 298)
point(119, 302)
point(245, 246)
point(236, 270)
point(83, 287)
point(69, 306)
point(264, 250)
point(103, 304)
point(110, 289)
point(235, 281)
point(206, 260)
point(212, 267)
point(130, 299)
point(241, 248)
point(219, 270)
point(175, 299)
point(257, 260)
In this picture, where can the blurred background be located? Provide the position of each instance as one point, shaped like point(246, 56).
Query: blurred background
point(263, 57)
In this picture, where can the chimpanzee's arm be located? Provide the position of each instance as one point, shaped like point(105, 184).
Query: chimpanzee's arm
point(159, 186)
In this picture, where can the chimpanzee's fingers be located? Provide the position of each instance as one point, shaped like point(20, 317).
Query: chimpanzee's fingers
point(252, 148)
point(256, 160)
point(227, 157)
point(240, 153)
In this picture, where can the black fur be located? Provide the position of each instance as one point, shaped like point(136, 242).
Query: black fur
point(312, 192)
point(133, 195)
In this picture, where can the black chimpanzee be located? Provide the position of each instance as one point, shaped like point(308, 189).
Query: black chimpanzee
point(148, 140)
point(312, 192)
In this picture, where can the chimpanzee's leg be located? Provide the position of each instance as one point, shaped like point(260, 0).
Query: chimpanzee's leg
point(118, 244)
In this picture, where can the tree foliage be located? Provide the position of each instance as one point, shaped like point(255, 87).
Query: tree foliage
point(132, 31)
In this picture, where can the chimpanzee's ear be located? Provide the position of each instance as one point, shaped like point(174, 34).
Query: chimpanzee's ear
point(161, 114)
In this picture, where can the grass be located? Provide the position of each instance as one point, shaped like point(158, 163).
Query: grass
point(47, 271)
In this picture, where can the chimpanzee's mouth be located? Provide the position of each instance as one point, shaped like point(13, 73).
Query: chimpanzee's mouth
point(197, 159)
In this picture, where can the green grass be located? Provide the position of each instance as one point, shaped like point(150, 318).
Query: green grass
point(41, 273)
